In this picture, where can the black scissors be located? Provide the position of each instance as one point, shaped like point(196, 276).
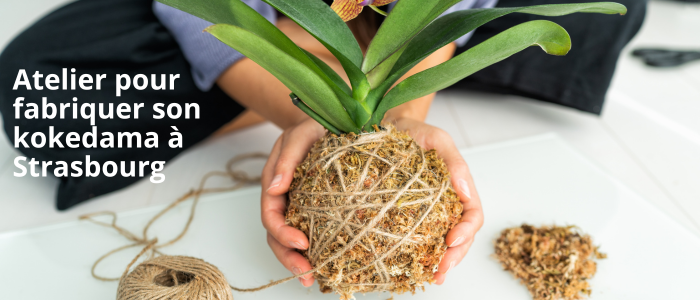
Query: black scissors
point(665, 57)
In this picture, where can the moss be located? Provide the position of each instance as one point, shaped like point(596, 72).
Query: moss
point(553, 262)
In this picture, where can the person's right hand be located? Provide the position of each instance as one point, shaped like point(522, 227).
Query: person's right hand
point(289, 151)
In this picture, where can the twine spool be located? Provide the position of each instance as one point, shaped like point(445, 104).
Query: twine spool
point(174, 277)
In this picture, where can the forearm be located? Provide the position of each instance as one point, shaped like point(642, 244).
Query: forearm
point(418, 109)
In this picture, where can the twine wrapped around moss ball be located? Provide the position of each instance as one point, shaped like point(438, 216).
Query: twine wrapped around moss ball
point(376, 208)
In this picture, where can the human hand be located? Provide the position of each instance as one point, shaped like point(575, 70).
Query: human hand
point(291, 148)
point(460, 238)
point(289, 151)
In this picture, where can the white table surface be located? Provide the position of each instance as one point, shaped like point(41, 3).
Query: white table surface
point(538, 180)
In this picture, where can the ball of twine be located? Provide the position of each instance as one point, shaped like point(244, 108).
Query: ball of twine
point(174, 277)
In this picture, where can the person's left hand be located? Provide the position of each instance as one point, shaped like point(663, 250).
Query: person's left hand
point(461, 237)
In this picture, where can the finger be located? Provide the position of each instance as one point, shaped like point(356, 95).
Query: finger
point(292, 260)
point(472, 220)
point(453, 256)
point(273, 221)
point(459, 171)
point(472, 214)
point(462, 233)
point(268, 169)
point(272, 210)
point(295, 146)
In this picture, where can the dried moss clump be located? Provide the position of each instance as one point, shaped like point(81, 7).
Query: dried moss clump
point(553, 262)
point(376, 208)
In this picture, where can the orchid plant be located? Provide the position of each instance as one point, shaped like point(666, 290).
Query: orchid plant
point(413, 30)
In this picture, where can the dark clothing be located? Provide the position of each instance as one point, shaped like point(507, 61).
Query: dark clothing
point(106, 37)
point(581, 78)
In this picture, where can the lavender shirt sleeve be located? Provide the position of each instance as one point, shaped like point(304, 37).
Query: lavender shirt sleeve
point(209, 57)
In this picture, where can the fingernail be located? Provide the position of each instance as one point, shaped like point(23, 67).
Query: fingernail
point(464, 186)
point(452, 264)
point(275, 182)
point(297, 271)
point(457, 241)
point(296, 245)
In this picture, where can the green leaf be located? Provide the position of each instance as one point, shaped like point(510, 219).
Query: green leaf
point(332, 75)
point(405, 21)
point(379, 81)
point(305, 108)
point(377, 76)
point(454, 25)
point(355, 109)
point(317, 18)
point(410, 18)
point(555, 10)
point(552, 38)
point(299, 78)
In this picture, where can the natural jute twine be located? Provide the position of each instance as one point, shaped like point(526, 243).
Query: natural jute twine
point(181, 277)
point(173, 277)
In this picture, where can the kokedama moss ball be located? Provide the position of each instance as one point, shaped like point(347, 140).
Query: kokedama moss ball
point(376, 208)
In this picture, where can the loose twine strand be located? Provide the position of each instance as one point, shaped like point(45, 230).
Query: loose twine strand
point(240, 179)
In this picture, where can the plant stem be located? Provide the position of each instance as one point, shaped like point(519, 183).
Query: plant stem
point(306, 109)
point(379, 11)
